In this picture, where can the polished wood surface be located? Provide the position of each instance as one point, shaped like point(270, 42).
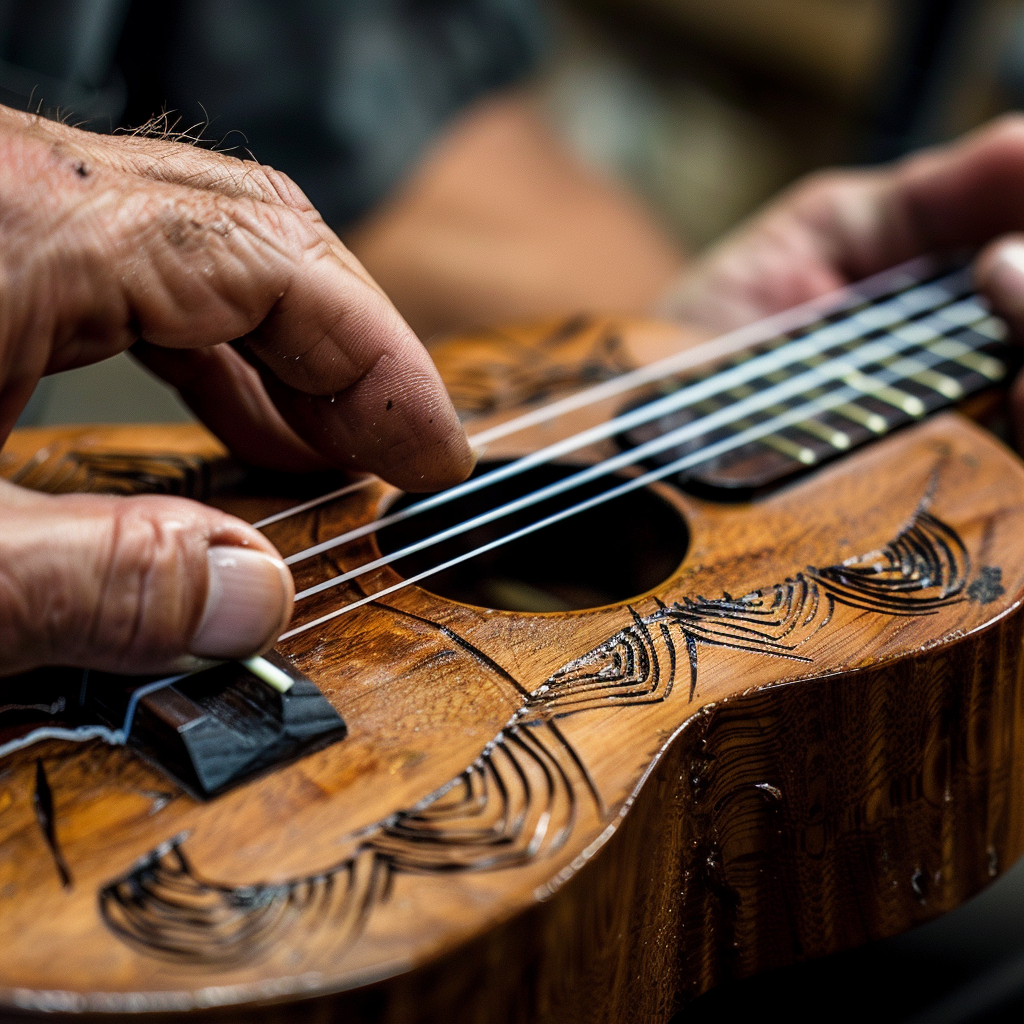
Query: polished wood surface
point(807, 737)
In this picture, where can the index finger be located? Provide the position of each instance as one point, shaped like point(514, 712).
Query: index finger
point(192, 268)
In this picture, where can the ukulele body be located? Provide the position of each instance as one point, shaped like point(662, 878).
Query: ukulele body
point(807, 737)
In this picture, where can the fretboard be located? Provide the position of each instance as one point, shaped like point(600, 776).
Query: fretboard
point(861, 374)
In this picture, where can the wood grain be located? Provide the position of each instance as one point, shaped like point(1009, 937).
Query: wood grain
point(807, 737)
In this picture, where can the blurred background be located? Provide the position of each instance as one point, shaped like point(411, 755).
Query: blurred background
point(707, 108)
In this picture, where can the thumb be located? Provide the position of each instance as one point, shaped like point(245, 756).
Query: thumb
point(133, 585)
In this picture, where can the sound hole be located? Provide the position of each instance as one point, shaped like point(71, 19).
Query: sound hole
point(605, 555)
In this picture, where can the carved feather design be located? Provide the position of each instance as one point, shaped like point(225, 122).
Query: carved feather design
point(519, 799)
point(925, 568)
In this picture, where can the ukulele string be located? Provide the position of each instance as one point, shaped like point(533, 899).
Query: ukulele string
point(790, 417)
point(839, 397)
point(351, 488)
point(727, 416)
point(905, 275)
point(897, 310)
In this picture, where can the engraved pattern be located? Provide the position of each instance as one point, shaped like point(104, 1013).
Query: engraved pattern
point(519, 799)
point(61, 470)
point(508, 370)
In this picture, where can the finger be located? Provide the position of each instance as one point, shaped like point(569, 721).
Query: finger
point(835, 227)
point(133, 585)
point(181, 163)
point(365, 394)
point(110, 258)
point(226, 393)
point(161, 159)
point(999, 273)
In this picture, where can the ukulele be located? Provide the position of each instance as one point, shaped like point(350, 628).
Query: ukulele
point(713, 665)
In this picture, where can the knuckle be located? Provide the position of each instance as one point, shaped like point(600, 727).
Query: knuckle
point(286, 191)
point(190, 223)
point(825, 186)
point(1007, 127)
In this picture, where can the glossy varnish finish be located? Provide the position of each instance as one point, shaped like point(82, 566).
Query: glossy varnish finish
point(808, 737)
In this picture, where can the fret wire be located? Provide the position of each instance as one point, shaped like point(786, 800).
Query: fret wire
point(917, 297)
point(895, 397)
point(956, 351)
point(910, 404)
point(794, 351)
point(783, 445)
point(759, 401)
point(835, 438)
point(945, 385)
point(864, 417)
point(992, 327)
point(922, 332)
point(838, 439)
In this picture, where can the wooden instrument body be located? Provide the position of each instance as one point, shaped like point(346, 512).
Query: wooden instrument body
point(576, 816)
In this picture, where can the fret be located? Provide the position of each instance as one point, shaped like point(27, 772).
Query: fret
point(913, 369)
point(910, 404)
point(835, 438)
point(801, 453)
point(944, 385)
point(856, 414)
point(930, 346)
point(838, 439)
point(992, 328)
point(958, 352)
point(963, 313)
point(804, 455)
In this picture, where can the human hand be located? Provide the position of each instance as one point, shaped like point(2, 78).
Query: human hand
point(109, 240)
point(836, 227)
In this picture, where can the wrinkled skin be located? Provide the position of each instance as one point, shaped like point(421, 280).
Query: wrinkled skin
point(223, 280)
point(117, 242)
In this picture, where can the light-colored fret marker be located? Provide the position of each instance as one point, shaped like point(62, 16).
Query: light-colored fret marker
point(992, 327)
point(910, 404)
point(871, 420)
point(917, 333)
point(849, 411)
point(957, 352)
point(967, 311)
point(945, 385)
point(836, 438)
point(880, 316)
point(822, 431)
point(783, 445)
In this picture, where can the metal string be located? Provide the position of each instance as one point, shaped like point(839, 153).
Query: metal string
point(886, 314)
point(902, 276)
point(873, 352)
point(789, 418)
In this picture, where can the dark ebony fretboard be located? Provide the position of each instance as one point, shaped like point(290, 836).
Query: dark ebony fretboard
point(933, 344)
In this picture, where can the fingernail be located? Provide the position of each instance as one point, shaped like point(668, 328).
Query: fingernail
point(248, 603)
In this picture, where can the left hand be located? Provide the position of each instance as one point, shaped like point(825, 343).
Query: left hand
point(836, 227)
